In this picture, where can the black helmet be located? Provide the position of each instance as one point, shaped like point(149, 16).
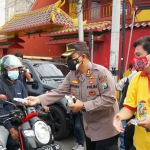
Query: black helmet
point(9, 62)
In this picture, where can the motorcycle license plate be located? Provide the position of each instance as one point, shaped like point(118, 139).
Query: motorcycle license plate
point(51, 147)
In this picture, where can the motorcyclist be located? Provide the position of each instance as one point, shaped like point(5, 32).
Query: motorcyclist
point(9, 74)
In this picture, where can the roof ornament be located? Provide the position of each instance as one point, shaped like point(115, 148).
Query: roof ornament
point(12, 16)
point(56, 7)
point(61, 4)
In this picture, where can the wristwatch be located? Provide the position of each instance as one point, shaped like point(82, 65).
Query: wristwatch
point(83, 108)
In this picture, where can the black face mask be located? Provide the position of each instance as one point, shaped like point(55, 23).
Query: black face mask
point(72, 63)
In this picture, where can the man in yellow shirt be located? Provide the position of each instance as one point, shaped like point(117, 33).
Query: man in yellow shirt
point(138, 96)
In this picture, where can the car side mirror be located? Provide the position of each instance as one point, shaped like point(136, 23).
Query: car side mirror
point(35, 85)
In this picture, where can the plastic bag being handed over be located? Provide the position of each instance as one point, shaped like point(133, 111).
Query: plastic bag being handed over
point(132, 121)
point(71, 99)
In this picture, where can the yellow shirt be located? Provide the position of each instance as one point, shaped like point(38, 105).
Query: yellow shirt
point(138, 99)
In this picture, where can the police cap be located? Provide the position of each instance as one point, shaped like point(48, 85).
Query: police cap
point(73, 47)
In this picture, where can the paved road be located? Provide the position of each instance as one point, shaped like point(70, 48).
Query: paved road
point(67, 143)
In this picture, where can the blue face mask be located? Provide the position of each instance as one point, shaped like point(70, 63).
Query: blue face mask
point(13, 75)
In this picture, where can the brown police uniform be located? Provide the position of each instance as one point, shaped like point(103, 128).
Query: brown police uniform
point(96, 89)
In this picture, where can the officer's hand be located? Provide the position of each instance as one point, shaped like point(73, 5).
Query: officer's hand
point(77, 106)
point(47, 91)
point(32, 101)
point(14, 133)
point(145, 122)
point(117, 123)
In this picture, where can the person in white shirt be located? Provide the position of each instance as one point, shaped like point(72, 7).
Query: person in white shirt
point(120, 85)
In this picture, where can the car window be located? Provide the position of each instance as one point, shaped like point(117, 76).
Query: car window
point(51, 73)
point(63, 69)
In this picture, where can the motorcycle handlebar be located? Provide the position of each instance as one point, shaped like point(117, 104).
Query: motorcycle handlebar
point(3, 116)
point(24, 119)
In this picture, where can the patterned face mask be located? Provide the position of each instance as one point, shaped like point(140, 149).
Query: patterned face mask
point(72, 63)
point(140, 63)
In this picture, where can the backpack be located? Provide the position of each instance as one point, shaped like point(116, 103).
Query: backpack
point(124, 92)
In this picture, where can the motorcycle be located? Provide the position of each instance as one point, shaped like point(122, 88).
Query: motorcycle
point(33, 132)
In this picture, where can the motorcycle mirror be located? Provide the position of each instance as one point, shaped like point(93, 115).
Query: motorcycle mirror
point(3, 98)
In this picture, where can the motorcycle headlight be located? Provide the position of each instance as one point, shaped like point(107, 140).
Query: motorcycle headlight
point(42, 132)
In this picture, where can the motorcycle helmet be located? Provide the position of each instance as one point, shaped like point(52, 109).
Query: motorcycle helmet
point(9, 62)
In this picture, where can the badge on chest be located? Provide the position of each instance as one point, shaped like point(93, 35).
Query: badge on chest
point(92, 92)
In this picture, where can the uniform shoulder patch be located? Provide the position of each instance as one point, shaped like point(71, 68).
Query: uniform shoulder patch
point(104, 82)
point(103, 79)
point(104, 85)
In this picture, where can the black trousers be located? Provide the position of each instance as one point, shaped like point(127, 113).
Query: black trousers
point(128, 137)
point(107, 144)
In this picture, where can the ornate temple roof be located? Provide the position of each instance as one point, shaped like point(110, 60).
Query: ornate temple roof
point(50, 16)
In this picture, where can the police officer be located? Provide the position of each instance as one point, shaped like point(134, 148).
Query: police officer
point(94, 88)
